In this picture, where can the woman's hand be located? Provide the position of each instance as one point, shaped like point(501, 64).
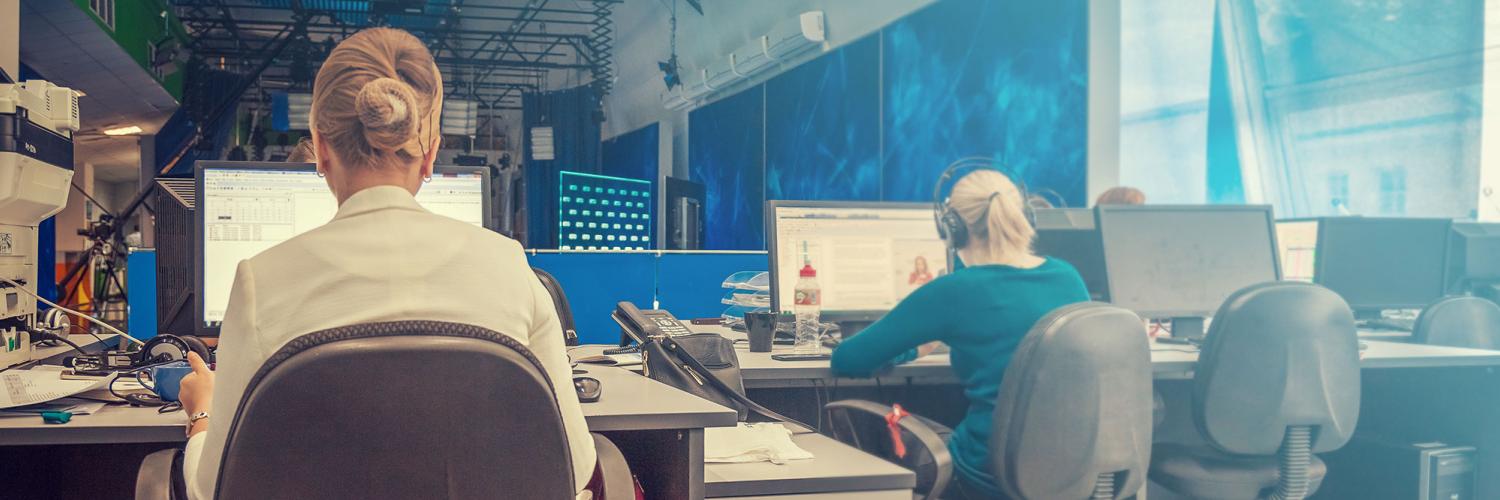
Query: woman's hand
point(925, 349)
point(197, 392)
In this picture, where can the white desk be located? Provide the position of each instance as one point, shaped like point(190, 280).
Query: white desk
point(658, 428)
point(1168, 361)
point(835, 469)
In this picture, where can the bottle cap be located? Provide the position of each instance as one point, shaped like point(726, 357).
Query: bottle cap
point(808, 271)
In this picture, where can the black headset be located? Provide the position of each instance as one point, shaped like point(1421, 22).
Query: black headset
point(167, 347)
point(950, 225)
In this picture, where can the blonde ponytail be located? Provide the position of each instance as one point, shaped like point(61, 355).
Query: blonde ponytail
point(994, 210)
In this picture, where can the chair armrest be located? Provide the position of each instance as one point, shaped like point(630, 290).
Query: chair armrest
point(618, 481)
point(926, 437)
point(154, 480)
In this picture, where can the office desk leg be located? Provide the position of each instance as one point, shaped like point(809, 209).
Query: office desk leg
point(669, 463)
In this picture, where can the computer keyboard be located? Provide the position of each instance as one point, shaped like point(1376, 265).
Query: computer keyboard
point(1389, 324)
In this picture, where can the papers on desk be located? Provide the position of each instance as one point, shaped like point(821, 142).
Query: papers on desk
point(27, 387)
point(76, 406)
point(763, 442)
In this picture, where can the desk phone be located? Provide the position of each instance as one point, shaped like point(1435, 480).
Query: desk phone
point(640, 325)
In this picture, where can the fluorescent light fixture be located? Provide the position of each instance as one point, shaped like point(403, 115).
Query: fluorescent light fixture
point(128, 130)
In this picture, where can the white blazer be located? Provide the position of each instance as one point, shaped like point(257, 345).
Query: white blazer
point(382, 258)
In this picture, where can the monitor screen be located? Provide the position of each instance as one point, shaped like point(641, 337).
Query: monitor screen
point(246, 207)
point(1183, 261)
point(868, 256)
point(1297, 243)
point(1081, 248)
point(1383, 262)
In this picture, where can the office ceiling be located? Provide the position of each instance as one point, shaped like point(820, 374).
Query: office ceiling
point(490, 50)
point(62, 43)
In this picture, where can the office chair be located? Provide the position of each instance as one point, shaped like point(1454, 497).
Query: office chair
point(1460, 322)
point(559, 301)
point(405, 409)
point(1277, 381)
point(1074, 415)
point(1073, 419)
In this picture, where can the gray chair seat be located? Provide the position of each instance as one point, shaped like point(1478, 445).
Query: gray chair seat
point(1202, 472)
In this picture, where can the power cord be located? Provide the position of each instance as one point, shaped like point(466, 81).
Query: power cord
point(91, 319)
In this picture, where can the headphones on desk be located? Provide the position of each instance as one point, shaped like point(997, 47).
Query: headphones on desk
point(950, 225)
point(167, 347)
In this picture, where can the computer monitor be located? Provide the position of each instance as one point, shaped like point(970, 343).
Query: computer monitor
point(868, 255)
point(1474, 259)
point(1064, 218)
point(1082, 249)
point(1181, 262)
point(244, 208)
point(1379, 263)
point(1297, 245)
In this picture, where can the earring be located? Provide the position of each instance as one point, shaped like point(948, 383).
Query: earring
point(320, 174)
point(427, 179)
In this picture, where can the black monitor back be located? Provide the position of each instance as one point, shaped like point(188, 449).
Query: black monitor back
point(1377, 263)
point(1082, 249)
point(1473, 255)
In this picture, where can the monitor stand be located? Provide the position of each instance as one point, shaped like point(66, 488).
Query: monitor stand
point(1188, 328)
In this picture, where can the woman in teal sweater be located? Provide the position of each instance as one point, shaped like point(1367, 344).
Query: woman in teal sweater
point(981, 312)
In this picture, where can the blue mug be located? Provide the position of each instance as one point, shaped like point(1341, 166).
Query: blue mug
point(166, 380)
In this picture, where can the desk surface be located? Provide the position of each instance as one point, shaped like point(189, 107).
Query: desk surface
point(836, 467)
point(629, 402)
point(1168, 361)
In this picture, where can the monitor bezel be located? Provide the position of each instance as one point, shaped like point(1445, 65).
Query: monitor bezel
point(771, 246)
point(200, 327)
point(1318, 261)
point(1112, 281)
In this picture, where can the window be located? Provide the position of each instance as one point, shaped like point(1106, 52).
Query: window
point(1342, 89)
point(1393, 191)
point(105, 10)
point(1338, 192)
point(1166, 51)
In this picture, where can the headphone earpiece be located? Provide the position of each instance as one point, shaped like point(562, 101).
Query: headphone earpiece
point(951, 227)
point(167, 347)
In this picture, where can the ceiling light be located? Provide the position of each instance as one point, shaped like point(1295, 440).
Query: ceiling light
point(130, 130)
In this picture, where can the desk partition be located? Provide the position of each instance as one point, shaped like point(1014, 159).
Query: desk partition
point(684, 282)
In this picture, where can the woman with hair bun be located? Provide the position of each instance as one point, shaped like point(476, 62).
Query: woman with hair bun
point(374, 123)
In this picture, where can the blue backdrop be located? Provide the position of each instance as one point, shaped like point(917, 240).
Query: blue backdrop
point(632, 154)
point(879, 118)
point(823, 127)
point(1007, 80)
point(726, 149)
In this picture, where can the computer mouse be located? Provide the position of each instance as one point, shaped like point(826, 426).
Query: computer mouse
point(589, 389)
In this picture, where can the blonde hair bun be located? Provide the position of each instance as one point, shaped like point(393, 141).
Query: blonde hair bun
point(386, 107)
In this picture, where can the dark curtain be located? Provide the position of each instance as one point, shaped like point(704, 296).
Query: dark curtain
point(573, 115)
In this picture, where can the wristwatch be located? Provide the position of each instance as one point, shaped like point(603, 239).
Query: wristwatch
point(194, 418)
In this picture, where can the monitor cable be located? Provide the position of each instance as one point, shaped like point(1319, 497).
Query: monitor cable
point(91, 319)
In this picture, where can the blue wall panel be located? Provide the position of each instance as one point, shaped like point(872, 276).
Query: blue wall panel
point(726, 154)
point(691, 285)
point(823, 127)
point(1006, 80)
point(595, 282)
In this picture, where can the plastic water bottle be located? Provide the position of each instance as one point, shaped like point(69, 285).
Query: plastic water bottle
point(807, 305)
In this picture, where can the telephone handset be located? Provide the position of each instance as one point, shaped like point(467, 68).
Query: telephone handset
point(640, 325)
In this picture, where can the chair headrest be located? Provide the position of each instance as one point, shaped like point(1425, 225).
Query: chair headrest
point(1075, 403)
point(1460, 322)
point(1278, 354)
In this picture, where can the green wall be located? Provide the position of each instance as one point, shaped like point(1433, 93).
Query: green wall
point(138, 23)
